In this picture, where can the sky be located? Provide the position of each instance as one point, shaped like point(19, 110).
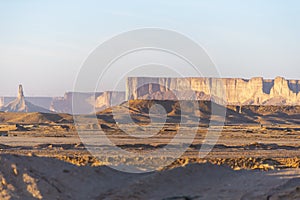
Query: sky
point(43, 44)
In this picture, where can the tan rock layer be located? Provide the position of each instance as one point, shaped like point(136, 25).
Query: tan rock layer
point(235, 91)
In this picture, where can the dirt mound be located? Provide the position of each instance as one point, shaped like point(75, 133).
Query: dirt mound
point(177, 111)
point(28, 178)
point(289, 190)
point(34, 118)
point(270, 114)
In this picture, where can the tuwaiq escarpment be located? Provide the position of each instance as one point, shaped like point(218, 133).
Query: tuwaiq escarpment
point(232, 91)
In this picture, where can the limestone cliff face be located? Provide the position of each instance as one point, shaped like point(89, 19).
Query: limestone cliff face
point(2, 101)
point(87, 102)
point(108, 99)
point(234, 91)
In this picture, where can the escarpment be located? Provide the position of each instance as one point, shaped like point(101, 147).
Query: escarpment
point(233, 91)
point(226, 91)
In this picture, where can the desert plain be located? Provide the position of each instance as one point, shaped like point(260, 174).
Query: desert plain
point(256, 154)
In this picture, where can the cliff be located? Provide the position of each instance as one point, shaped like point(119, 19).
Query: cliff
point(85, 100)
point(234, 91)
point(88, 102)
point(108, 99)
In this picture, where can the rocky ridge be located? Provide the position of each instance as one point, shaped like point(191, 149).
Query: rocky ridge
point(234, 91)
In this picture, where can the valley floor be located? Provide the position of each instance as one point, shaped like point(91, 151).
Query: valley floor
point(247, 162)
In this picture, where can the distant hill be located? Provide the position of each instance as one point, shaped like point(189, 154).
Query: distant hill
point(21, 105)
point(188, 112)
point(177, 111)
point(34, 118)
point(181, 111)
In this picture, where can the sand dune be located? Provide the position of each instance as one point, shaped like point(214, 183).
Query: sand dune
point(28, 178)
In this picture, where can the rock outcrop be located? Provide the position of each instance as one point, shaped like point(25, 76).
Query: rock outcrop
point(233, 91)
point(21, 105)
point(108, 99)
point(44, 102)
point(64, 104)
point(87, 102)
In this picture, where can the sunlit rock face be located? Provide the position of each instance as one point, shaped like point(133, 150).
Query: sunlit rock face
point(86, 103)
point(108, 99)
point(234, 91)
point(21, 105)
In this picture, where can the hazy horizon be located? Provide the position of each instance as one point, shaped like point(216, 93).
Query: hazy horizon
point(43, 44)
point(123, 89)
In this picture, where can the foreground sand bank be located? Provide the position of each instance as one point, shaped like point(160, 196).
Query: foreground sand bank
point(37, 177)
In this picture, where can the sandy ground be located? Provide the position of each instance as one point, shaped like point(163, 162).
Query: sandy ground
point(48, 178)
point(41, 176)
point(235, 142)
point(42, 157)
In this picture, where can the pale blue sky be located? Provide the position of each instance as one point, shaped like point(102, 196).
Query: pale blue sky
point(43, 43)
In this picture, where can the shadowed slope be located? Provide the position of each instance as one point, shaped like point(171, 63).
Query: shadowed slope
point(177, 111)
point(33, 118)
point(48, 178)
